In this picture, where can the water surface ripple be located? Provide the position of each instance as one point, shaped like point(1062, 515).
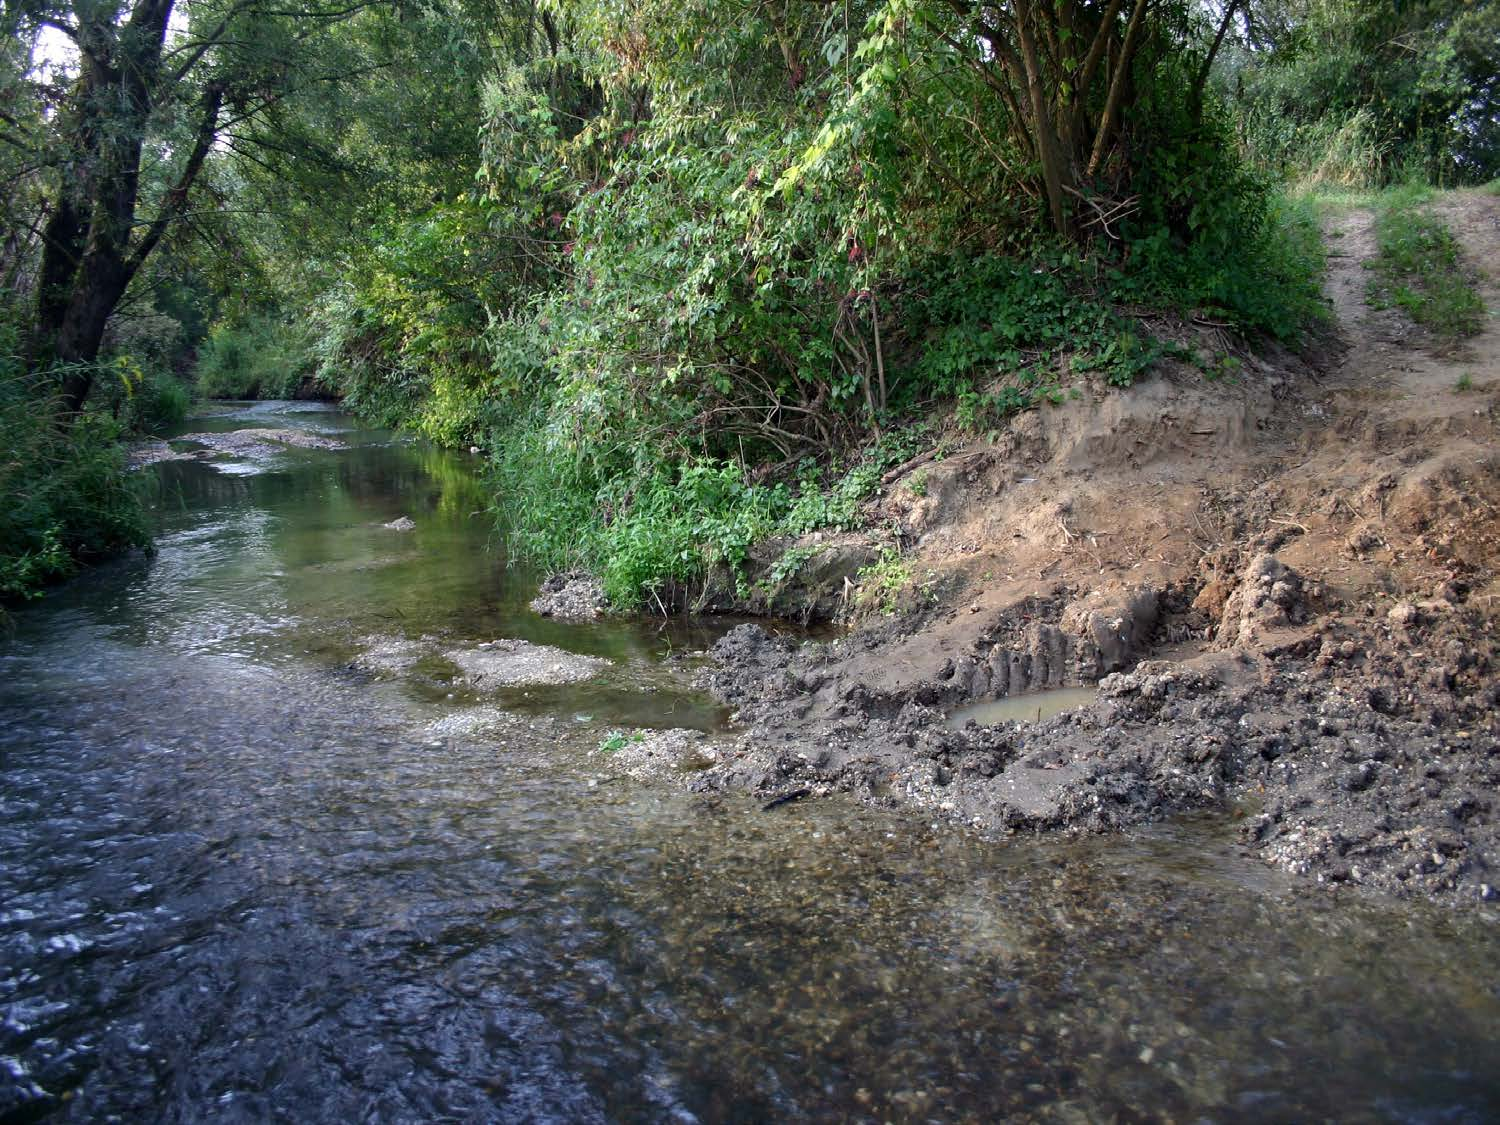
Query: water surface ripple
point(240, 882)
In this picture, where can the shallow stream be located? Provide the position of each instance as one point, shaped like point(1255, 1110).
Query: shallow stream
point(247, 873)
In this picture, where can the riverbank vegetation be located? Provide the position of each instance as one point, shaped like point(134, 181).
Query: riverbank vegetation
point(693, 273)
point(67, 498)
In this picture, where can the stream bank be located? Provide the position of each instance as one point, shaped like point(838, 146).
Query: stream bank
point(270, 850)
point(1283, 582)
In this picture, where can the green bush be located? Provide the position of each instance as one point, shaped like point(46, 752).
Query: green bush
point(67, 499)
point(161, 402)
point(259, 357)
point(649, 534)
point(143, 400)
point(1364, 93)
point(1211, 233)
point(689, 299)
point(652, 526)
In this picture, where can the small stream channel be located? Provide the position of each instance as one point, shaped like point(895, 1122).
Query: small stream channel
point(243, 880)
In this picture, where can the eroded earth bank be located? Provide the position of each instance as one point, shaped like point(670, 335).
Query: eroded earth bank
point(1282, 580)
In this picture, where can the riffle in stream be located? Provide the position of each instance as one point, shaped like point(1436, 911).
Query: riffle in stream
point(248, 873)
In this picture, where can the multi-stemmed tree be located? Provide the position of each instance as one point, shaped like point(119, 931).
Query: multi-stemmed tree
point(114, 137)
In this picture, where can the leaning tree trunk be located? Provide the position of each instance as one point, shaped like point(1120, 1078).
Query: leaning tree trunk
point(76, 344)
point(88, 259)
point(1056, 172)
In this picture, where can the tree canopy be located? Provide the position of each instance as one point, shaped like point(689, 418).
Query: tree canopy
point(620, 241)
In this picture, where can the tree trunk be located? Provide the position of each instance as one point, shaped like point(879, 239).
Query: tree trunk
point(76, 345)
point(1208, 61)
point(87, 260)
point(1054, 172)
point(1116, 89)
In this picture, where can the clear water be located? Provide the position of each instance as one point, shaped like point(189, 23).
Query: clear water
point(240, 883)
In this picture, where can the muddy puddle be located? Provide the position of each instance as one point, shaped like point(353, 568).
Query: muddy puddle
point(1031, 707)
point(245, 876)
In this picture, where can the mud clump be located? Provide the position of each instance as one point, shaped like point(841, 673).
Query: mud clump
point(1270, 596)
point(574, 596)
point(1336, 773)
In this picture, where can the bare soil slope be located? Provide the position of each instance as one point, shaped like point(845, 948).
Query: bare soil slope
point(1285, 580)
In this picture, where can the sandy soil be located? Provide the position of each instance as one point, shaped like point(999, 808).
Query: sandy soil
point(1284, 580)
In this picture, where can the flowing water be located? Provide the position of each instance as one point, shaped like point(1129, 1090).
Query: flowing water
point(244, 877)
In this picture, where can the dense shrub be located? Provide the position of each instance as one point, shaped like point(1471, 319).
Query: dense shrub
point(67, 497)
point(258, 357)
point(711, 246)
point(1363, 93)
point(145, 400)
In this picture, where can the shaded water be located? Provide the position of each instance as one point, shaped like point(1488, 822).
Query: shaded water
point(240, 882)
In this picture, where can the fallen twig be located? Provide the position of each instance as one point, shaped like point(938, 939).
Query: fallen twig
point(908, 465)
point(784, 799)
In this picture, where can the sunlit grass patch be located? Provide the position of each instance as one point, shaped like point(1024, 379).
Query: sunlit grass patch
point(1419, 267)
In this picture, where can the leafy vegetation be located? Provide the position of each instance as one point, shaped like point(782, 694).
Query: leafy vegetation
point(791, 562)
point(1420, 270)
point(67, 500)
point(259, 358)
point(882, 582)
point(763, 274)
point(1365, 93)
point(651, 533)
point(616, 741)
point(691, 273)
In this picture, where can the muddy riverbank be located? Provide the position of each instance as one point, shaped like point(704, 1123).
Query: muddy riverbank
point(307, 818)
point(1283, 584)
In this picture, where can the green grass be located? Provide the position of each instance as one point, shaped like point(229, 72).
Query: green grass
point(1335, 200)
point(1419, 268)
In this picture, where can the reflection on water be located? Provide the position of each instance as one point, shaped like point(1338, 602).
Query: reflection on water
point(238, 883)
